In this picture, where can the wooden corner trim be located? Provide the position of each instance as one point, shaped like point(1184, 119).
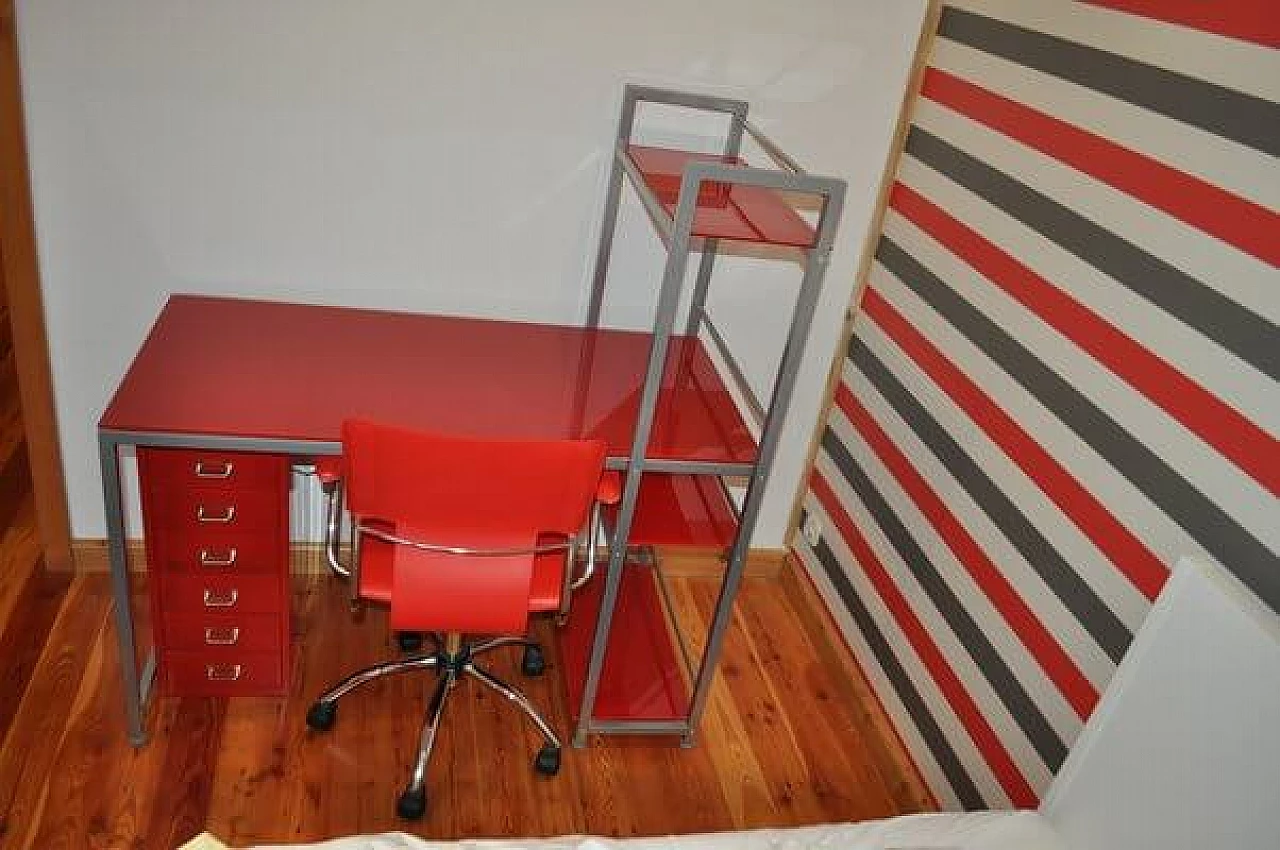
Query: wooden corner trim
point(20, 279)
point(90, 556)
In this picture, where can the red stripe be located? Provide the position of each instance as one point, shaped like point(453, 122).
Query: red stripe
point(1073, 685)
point(1236, 438)
point(1248, 226)
point(957, 696)
point(1251, 20)
point(1125, 551)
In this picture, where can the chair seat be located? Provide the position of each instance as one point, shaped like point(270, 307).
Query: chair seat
point(544, 590)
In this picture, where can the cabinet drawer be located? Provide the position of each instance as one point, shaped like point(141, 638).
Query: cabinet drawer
point(224, 594)
point(223, 635)
point(219, 552)
point(201, 673)
point(212, 509)
point(194, 467)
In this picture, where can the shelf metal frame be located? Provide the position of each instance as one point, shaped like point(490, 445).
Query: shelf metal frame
point(677, 234)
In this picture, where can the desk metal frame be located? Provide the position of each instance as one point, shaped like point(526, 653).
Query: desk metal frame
point(119, 430)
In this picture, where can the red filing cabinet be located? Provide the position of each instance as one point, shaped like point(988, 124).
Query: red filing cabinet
point(217, 536)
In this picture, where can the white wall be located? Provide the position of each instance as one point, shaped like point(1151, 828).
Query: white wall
point(429, 156)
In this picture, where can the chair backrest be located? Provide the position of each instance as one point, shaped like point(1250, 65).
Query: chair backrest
point(457, 485)
point(471, 493)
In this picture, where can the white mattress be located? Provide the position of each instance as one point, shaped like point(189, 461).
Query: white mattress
point(971, 831)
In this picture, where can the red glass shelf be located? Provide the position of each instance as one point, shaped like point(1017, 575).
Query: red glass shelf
point(680, 510)
point(641, 678)
point(725, 210)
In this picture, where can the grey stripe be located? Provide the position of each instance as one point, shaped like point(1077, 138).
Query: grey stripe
point(1244, 118)
point(933, 736)
point(1229, 542)
point(1006, 685)
point(1092, 613)
point(1237, 329)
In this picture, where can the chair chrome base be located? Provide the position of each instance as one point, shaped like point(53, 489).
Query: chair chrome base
point(451, 660)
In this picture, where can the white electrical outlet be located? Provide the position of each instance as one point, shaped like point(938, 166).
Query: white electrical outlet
point(812, 530)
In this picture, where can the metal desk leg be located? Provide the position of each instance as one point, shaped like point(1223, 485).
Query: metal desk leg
point(134, 691)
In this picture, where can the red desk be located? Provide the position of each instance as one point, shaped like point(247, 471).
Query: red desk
point(266, 371)
point(267, 376)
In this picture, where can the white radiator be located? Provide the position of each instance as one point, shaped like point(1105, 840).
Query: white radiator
point(307, 509)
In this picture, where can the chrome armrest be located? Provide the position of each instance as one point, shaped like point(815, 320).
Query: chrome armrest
point(593, 534)
point(333, 529)
point(386, 536)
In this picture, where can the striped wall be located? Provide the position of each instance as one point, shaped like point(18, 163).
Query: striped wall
point(1063, 374)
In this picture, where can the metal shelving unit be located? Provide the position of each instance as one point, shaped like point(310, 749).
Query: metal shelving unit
point(696, 202)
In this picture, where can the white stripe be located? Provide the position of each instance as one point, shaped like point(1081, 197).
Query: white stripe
point(940, 710)
point(974, 600)
point(1046, 605)
point(1178, 344)
point(954, 653)
point(1218, 59)
point(1076, 548)
point(903, 723)
point(1239, 495)
point(1128, 504)
point(1237, 168)
point(1241, 277)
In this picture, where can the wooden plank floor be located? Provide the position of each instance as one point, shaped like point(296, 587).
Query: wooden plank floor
point(779, 745)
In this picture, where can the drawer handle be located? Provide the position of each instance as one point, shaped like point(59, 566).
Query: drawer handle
point(227, 515)
point(209, 559)
point(223, 672)
point(214, 599)
point(221, 635)
point(222, 470)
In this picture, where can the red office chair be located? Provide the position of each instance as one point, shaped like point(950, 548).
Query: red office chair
point(461, 536)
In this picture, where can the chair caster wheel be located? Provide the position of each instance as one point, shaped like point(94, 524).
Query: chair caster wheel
point(321, 716)
point(533, 663)
point(409, 641)
point(548, 761)
point(412, 805)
